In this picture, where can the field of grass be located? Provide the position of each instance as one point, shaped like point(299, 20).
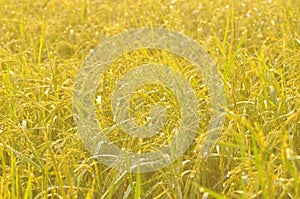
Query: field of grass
point(255, 45)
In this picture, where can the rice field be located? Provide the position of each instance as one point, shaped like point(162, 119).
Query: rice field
point(255, 46)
